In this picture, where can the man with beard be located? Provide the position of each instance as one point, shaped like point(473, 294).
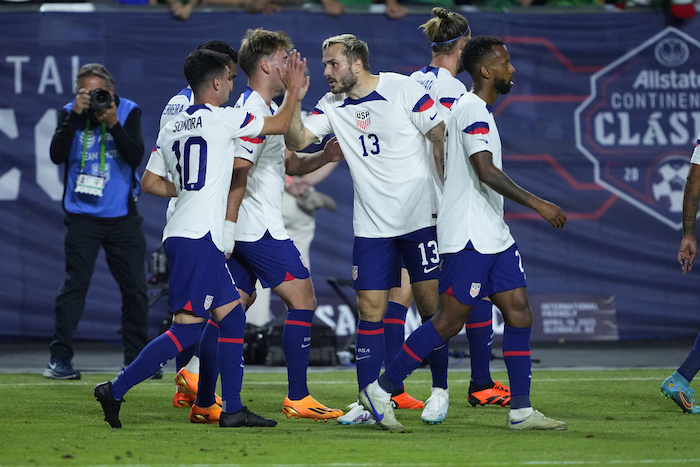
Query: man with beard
point(480, 257)
point(380, 122)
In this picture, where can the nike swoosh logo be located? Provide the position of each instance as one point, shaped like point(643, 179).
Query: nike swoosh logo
point(427, 270)
point(685, 402)
point(249, 150)
point(513, 422)
point(378, 417)
point(303, 346)
point(433, 117)
point(361, 358)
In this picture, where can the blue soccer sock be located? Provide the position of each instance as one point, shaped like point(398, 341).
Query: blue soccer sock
point(394, 330)
point(438, 360)
point(184, 357)
point(208, 364)
point(369, 351)
point(296, 341)
point(480, 335)
point(155, 355)
point(691, 365)
point(230, 358)
point(516, 353)
point(419, 344)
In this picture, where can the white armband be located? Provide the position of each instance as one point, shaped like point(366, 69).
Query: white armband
point(229, 233)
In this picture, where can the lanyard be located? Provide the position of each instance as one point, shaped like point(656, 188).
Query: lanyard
point(102, 146)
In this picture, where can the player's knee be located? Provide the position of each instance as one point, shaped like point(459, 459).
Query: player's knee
point(518, 317)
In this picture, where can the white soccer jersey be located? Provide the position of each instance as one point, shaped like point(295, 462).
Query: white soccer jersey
point(445, 90)
point(197, 148)
point(261, 206)
point(176, 104)
point(696, 153)
point(382, 138)
point(471, 210)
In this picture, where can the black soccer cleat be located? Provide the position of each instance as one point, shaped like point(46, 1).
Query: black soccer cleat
point(245, 417)
point(110, 406)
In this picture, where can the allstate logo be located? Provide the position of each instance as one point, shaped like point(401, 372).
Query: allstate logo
point(639, 125)
point(672, 52)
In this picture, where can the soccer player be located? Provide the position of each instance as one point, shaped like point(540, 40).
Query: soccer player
point(480, 256)
point(676, 386)
point(380, 122)
point(196, 148)
point(187, 361)
point(263, 250)
point(448, 32)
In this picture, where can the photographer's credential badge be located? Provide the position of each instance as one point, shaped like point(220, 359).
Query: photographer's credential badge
point(92, 184)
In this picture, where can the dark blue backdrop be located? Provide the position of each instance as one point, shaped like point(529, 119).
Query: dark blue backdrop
point(582, 93)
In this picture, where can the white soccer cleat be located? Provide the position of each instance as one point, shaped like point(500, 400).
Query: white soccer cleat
point(535, 421)
point(356, 415)
point(435, 409)
point(378, 401)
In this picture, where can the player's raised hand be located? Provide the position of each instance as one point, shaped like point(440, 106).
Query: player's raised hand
point(293, 73)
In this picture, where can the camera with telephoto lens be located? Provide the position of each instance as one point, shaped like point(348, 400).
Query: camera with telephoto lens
point(100, 99)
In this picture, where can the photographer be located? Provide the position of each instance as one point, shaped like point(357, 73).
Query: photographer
point(98, 138)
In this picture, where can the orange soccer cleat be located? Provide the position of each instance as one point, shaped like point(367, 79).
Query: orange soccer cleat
point(181, 399)
point(187, 383)
point(209, 414)
point(497, 394)
point(309, 407)
point(406, 401)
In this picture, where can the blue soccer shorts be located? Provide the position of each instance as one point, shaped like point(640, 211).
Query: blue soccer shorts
point(377, 261)
point(269, 260)
point(470, 276)
point(199, 278)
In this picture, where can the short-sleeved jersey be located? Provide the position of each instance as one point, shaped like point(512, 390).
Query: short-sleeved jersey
point(382, 138)
point(261, 208)
point(696, 152)
point(197, 149)
point(471, 211)
point(178, 103)
point(445, 90)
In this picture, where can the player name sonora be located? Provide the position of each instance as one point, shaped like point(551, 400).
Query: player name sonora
point(189, 124)
point(654, 79)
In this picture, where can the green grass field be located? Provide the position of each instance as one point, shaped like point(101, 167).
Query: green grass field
point(614, 418)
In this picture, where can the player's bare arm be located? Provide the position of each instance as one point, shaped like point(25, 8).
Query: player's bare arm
point(688, 250)
point(301, 164)
point(298, 136)
point(495, 178)
point(157, 185)
point(436, 135)
point(239, 180)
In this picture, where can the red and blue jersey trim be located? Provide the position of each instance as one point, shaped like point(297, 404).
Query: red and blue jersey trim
point(248, 118)
point(424, 104)
point(256, 140)
point(477, 128)
point(448, 101)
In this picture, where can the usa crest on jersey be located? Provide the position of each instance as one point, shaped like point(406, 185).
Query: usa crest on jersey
point(362, 119)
